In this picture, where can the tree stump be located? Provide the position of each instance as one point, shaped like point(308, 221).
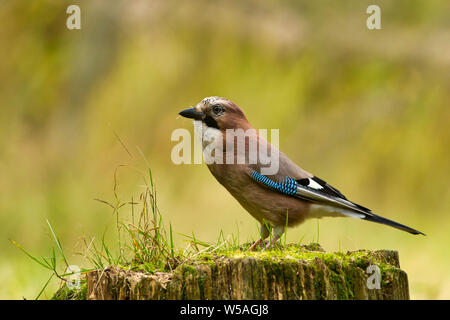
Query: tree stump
point(296, 272)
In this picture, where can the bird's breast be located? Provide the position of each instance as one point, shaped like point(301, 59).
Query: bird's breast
point(261, 202)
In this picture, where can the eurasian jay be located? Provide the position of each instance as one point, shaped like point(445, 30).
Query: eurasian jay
point(280, 198)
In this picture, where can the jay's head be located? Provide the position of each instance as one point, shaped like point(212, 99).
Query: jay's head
point(218, 113)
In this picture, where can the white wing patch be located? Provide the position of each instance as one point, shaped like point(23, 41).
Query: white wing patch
point(314, 185)
point(320, 211)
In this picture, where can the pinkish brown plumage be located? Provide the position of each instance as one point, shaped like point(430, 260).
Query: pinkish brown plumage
point(289, 192)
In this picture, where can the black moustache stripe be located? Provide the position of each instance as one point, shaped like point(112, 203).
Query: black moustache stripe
point(210, 122)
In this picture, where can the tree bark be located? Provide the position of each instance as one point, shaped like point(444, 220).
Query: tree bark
point(297, 274)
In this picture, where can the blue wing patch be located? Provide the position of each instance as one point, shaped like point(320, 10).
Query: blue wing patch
point(288, 186)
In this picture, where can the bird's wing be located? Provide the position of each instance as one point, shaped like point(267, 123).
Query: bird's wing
point(318, 191)
point(311, 189)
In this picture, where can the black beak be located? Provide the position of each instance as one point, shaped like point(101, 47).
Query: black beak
point(192, 114)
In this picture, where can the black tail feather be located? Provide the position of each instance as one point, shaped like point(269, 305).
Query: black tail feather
point(378, 219)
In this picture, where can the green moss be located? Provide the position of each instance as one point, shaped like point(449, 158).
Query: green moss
point(207, 259)
point(388, 272)
point(299, 253)
point(349, 283)
point(319, 284)
point(188, 269)
point(336, 264)
point(201, 284)
point(65, 293)
point(337, 278)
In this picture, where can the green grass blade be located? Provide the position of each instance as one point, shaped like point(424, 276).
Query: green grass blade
point(58, 244)
point(45, 286)
point(45, 264)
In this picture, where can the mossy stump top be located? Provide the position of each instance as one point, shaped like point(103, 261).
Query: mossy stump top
point(295, 272)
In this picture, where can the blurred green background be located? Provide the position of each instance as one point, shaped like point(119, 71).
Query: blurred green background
point(367, 110)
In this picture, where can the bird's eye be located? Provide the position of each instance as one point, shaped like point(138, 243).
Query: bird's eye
point(218, 109)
